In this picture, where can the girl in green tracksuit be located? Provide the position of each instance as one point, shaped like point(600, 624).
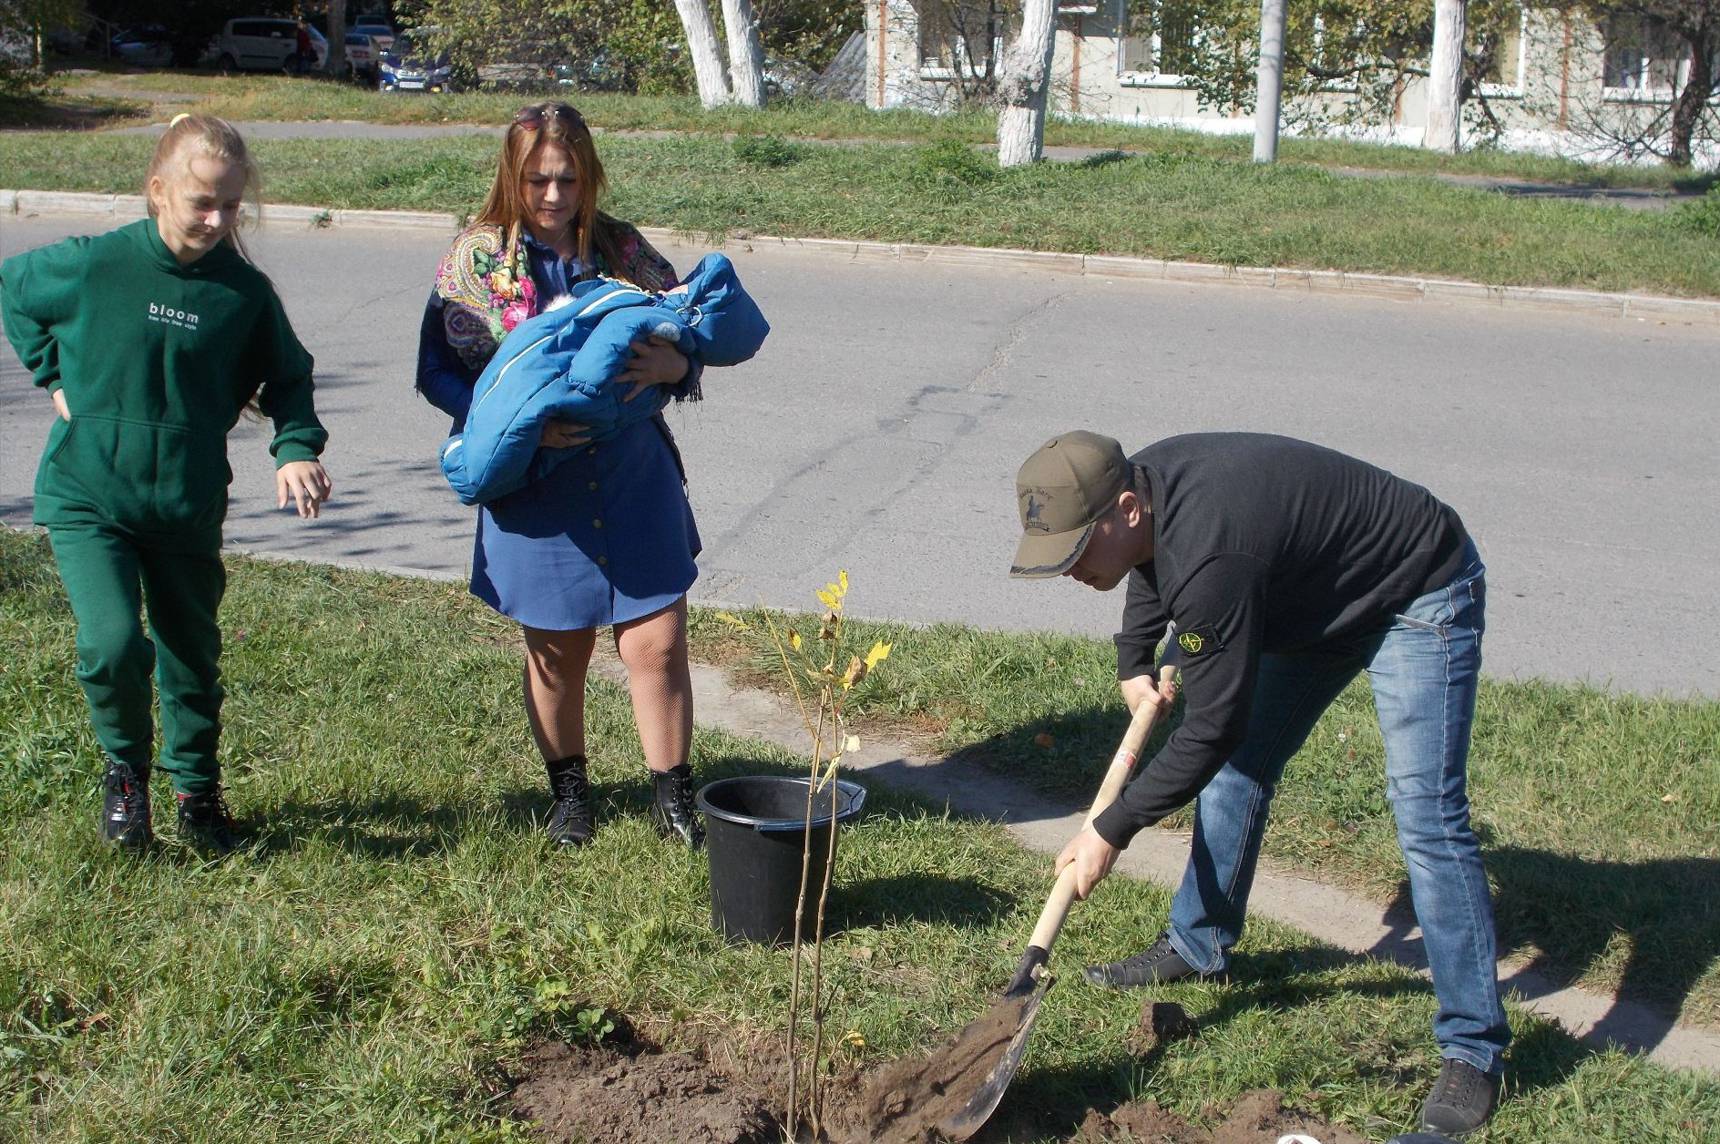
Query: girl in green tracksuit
point(151, 340)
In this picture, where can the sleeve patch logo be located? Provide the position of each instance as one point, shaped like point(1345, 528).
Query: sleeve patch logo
point(1199, 641)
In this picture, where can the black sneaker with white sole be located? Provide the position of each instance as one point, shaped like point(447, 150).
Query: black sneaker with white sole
point(1461, 1101)
point(1158, 965)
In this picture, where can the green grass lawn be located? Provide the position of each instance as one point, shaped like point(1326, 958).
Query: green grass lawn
point(374, 965)
point(1170, 205)
point(287, 98)
point(1597, 811)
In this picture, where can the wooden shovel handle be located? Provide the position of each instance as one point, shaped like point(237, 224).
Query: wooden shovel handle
point(1116, 778)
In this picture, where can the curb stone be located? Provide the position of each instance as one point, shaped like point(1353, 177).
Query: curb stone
point(1640, 307)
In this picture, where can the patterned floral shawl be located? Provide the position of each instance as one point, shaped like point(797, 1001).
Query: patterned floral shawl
point(486, 286)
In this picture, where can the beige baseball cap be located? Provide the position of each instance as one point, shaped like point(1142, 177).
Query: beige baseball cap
point(1061, 492)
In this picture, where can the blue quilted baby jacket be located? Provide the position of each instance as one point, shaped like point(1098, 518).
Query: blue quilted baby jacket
point(562, 365)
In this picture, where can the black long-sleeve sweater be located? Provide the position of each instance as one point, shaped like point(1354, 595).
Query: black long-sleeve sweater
point(1261, 544)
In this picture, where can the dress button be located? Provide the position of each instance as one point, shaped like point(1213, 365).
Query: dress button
point(597, 522)
point(591, 452)
point(602, 560)
point(592, 486)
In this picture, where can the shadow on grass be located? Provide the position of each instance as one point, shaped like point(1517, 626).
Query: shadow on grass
point(1064, 756)
point(1575, 912)
point(960, 902)
point(385, 827)
point(50, 112)
point(1053, 1102)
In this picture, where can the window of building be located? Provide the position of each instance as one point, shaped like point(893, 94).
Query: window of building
point(1504, 48)
point(962, 37)
point(1642, 57)
point(1159, 38)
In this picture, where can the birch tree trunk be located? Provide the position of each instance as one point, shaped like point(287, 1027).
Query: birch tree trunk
point(1026, 75)
point(1269, 81)
point(702, 43)
point(1445, 75)
point(746, 57)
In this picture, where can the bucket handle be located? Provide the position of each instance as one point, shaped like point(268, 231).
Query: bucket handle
point(767, 825)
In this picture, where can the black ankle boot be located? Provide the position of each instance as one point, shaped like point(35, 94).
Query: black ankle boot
point(570, 822)
point(673, 811)
point(125, 806)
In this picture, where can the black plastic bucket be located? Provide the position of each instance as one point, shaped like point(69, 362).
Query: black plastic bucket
point(756, 832)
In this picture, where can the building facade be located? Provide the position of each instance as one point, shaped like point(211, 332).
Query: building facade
point(1558, 83)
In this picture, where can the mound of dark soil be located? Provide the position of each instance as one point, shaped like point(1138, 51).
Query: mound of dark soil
point(602, 1094)
point(622, 1095)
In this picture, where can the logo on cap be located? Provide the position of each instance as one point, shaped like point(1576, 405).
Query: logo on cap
point(1030, 513)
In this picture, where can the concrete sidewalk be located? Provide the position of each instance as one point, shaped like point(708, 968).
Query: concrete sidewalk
point(1327, 913)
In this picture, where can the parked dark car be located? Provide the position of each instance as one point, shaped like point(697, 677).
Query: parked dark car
point(410, 65)
point(146, 45)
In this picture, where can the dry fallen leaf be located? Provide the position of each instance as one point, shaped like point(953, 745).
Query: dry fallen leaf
point(1043, 739)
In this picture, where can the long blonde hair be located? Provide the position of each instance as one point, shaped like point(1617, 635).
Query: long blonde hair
point(561, 124)
point(212, 137)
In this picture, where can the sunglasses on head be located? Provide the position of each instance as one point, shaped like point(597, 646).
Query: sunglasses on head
point(533, 117)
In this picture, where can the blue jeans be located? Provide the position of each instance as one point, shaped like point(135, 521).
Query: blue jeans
point(1423, 670)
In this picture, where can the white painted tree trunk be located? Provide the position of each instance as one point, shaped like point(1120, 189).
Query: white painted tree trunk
point(1026, 75)
point(1269, 81)
point(746, 57)
point(702, 43)
point(1445, 75)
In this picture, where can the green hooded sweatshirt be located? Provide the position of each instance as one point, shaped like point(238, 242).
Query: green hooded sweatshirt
point(157, 361)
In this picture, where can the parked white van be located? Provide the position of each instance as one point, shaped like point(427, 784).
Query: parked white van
point(264, 43)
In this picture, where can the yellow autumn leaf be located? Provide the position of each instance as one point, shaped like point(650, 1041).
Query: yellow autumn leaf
point(794, 639)
point(880, 652)
point(732, 620)
point(854, 1039)
point(842, 580)
point(827, 597)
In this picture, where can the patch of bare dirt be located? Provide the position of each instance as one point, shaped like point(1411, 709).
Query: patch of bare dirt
point(1257, 1117)
point(623, 1095)
point(905, 1102)
point(582, 1095)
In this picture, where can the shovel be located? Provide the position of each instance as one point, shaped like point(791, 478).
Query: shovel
point(1000, 1037)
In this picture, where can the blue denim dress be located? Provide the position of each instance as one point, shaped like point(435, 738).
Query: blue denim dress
point(604, 538)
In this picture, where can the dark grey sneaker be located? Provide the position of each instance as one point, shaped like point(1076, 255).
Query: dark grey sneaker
point(125, 806)
point(673, 809)
point(1461, 1101)
point(205, 823)
point(1158, 965)
point(570, 818)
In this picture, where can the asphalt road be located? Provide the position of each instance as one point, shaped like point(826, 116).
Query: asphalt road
point(880, 429)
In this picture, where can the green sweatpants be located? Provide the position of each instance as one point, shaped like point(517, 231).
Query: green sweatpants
point(109, 575)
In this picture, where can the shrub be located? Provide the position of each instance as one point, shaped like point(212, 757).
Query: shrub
point(767, 151)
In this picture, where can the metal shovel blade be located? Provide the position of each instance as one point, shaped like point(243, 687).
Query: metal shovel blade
point(1002, 1038)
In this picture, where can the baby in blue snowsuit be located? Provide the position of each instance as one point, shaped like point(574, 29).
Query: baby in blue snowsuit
point(561, 365)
